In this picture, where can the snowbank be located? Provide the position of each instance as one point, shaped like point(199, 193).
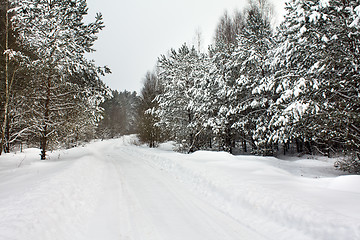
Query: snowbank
point(50, 199)
point(346, 183)
point(271, 194)
point(167, 146)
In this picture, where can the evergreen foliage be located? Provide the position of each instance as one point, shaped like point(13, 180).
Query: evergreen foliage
point(316, 74)
point(248, 69)
point(260, 89)
point(222, 78)
point(52, 92)
point(147, 130)
point(181, 74)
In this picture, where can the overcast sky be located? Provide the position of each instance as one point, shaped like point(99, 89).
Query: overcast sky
point(137, 32)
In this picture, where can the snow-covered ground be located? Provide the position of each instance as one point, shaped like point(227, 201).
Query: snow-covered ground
point(115, 190)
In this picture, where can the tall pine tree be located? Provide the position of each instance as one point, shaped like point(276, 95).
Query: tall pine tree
point(58, 38)
point(316, 74)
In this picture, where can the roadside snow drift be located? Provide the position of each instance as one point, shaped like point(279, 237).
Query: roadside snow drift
point(115, 190)
point(48, 199)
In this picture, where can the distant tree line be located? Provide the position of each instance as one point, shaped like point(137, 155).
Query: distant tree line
point(50, 94)
point(119, 116)
point(264, 91)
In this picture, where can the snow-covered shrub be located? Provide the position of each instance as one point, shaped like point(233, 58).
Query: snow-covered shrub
point(349, 164)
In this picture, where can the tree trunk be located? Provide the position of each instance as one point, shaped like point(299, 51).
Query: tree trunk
point(228, 139)
point(253, 144)
point(7, 136)
point(7, 89)
point(244, 143)
point(299, 145)
point(43, 142)
point(285, 148)
point(308, 147)
point(44, 137)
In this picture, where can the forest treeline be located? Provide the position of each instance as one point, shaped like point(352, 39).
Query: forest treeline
point(258, 89)
point(263, 90)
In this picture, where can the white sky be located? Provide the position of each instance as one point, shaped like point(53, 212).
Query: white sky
point(137, 32)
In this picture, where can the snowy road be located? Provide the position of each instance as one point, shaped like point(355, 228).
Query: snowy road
point(113, 190)
point(151, 205)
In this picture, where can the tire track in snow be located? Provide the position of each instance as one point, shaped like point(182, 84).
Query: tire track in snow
point(158, 207)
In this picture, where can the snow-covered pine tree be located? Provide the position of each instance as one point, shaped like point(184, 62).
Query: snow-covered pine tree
point(130, 101)
point(180, 74)
point(147, 130)
point(203, 101)
point(82, 120)
point(58, 38)
point(221, 78)
point(292, 59)
point(247, 67)
point(317, 74)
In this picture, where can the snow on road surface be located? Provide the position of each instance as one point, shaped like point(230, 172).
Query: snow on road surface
point(113, 190)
